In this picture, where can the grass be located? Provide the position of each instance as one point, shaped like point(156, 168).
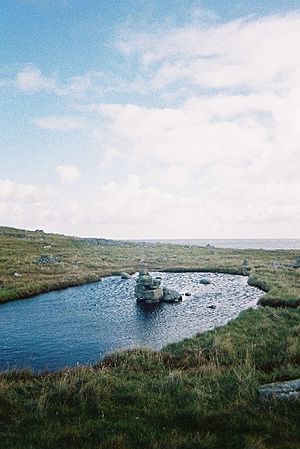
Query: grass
point(88, 260)
point(201, 393)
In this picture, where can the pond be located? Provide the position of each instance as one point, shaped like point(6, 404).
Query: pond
point(80, 325)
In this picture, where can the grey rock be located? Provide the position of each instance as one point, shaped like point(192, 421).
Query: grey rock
point(149, 290)
point(171, 295)
point(212, 306)
point(153, 295)
point(188, 294)
point(17, 275)
point(297, 263)
point(125, 275)
point(204, 281)
point(46, 260)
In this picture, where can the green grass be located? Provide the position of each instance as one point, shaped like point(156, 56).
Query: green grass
point(88, 260)
point(201, 393)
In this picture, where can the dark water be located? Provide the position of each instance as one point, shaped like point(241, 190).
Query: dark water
point(80, 325)
point(270, 244)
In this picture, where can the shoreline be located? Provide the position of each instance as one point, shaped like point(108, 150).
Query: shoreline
point(174, 397)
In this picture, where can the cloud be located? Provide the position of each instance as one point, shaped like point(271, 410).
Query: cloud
point(68, 173)
point(66, 123)
point(234, 157)
point(20, 191)
point(245, 53)
point(31, 79)
point(219, 160)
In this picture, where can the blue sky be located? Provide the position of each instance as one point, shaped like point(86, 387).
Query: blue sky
point(123, 118)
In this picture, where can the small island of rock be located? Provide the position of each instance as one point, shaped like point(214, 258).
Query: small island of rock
point(150, 291)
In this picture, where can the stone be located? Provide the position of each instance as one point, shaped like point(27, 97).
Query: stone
point(297, 263)
point(46, 260)
point(17, 275)
point(154, 295)
point(204, 281)
point(125, 275)
point(212, 306)
point(171, 295)
point(149, 290)
point(188, 294)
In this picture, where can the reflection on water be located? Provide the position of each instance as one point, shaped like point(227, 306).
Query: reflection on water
point(80, 325)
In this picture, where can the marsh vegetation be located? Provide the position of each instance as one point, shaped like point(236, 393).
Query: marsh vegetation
point(198, 393)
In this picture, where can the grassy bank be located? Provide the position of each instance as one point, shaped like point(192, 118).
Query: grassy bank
point(77, 261)
point(201, 393)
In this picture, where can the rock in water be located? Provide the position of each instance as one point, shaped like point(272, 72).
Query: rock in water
point(171, 295)
point(204, 281)
point(125, 275)
point(149, 290)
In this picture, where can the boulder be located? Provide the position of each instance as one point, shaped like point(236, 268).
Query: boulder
point(149, 295)
point(46, 260)
point(149, 290)
point(204, 281)
point(171, 295)
point(148, 282)
point(212, 306)
point(125, 275)
point(297, 263)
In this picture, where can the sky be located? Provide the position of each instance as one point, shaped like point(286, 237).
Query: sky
point(151, 119)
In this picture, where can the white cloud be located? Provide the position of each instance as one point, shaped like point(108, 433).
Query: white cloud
point(31, 79)
point(66, 123)
point(224, 162)
point(68, 173)
point(252, 54)
point(236, 157)
point(20, 191)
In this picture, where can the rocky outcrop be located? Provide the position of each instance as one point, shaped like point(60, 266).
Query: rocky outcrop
point(149, 290)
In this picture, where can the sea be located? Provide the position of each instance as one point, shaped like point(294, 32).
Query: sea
point(267, 244)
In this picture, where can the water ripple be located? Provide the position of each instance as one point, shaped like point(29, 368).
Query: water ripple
point(80, 325)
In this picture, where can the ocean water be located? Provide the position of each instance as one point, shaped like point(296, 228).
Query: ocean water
point(268, 244)
point(80, 325)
